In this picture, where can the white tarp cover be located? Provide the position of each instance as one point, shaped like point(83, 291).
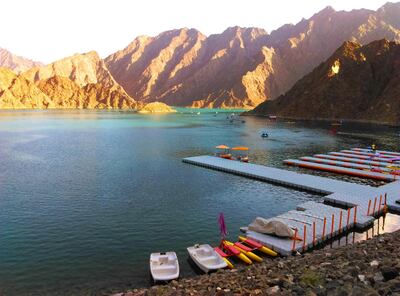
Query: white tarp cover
point(274, 227)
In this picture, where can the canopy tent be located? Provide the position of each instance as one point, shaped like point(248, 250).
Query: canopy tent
point(241, 148)
point(241, 153)
point(222, 147)
point(223, 151)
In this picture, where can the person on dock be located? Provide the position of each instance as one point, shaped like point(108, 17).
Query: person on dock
point(373, 148)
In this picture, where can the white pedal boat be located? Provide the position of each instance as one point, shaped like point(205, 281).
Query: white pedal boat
point(206, 258)
point(164, 266)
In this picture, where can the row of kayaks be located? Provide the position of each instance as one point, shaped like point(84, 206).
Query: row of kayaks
point(165, 266)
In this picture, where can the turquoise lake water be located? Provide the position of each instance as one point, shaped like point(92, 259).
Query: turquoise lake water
point(86, 196)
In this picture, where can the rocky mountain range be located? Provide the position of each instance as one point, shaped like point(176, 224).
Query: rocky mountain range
point(242, 67)
point(80, 81)
point(357, 82)
point(239, 68)
point(16, 63)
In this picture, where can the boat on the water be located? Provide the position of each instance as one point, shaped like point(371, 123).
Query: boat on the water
point(264, 134)
point(164, 266)
point(206, 258)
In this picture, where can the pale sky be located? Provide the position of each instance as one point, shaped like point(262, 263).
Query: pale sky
point(47, 30)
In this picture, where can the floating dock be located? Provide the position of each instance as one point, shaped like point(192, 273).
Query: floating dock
point(340, 170)
point(355, 160)
point(379, 151)
point(345, 164)
point(345, 205)
point(287, 178)
point(308, 219)
point(358, 156)
point(370, 154)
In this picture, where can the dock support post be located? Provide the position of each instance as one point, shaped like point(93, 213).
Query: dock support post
point(323, 230)
point(373, 211)
point(348, 218)
point(294, 240)
point(385, 209)
point(355, 215)
point(332, 225)
point(313, 234)
point(340, 221)
point(369, 207)
point(380, 202)
point(304, 237)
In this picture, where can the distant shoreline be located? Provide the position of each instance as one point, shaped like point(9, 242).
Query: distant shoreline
point(329, 120)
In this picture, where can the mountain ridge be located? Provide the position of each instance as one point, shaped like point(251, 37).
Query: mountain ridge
point(16, 63)
point(242, 67)
point(238, 68)
point(357, 82)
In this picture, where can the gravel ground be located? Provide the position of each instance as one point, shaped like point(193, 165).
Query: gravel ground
point(366, 268)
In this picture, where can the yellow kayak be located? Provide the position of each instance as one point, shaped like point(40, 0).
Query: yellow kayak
point(258, 246)
point(237, 253)
point(243, 250)
point(229, 263)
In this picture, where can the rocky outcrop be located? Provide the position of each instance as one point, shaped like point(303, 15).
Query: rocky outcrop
point(16, 92)
point(357, 83)
point(241, 67)
point(16, 63)
point(80, 81)
point(80, 68)
point(156, 107)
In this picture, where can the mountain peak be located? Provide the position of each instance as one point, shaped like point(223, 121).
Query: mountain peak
point(16, 63)
point(326, 11)
point(390, 5)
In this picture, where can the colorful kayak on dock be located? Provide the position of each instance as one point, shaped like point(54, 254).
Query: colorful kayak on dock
point(232, 251)
point(224, 256)
point(255, 245)
point(246, 254)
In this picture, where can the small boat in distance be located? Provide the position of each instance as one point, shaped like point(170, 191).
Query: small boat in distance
point(264, 134)
point(337, 123)
point(164, 266)
point(272, 117)
point(206, 258)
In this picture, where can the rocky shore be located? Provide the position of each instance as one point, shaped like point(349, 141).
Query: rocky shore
point(366, 268)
